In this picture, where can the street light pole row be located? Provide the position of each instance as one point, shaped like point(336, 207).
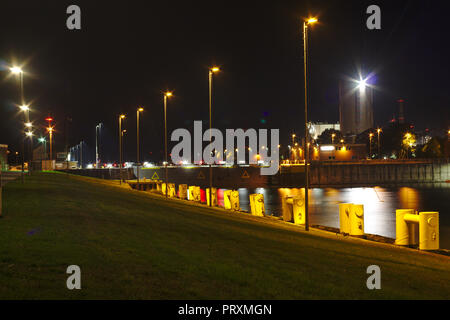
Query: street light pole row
point(166, 96)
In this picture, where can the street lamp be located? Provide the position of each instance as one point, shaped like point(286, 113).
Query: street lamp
point(97, 157)
point(167, 95)
point(211, 72)
point(121, 117)
point(19, 71)
point(370, 145)
point(379, 147)
point(50, 133)
point(362, 83)
point(332, 137)
point(50, 130)
point(139, 110)
point(24, 108)
point(306, 23)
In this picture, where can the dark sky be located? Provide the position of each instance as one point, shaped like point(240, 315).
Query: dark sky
point(129, 52)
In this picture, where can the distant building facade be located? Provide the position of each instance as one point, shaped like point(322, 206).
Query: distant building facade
point(355, 108)
point(342, 152)
point(317, 128)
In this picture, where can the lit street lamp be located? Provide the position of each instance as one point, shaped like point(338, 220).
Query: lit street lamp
point(139, 110)
point(306, 23)
point(379, 147)
point(121, 117)
point(370, 145)
point(211, 72)
point(332, 137)
point(97, 157)
point(19, 71)
point(50, 130)
point(167, 95)
point(29, 134)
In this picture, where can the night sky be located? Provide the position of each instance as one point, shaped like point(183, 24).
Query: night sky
point(128, 53)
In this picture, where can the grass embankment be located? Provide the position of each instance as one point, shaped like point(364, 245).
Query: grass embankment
point(131, 244)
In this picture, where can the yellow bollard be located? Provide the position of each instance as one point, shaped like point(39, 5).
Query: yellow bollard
point(191, 193)
point(357, 220)
point(287, 209)
point(429, 230)
point(214, 197)
point(407, 224)
point(196, 194)
point(158, 186)
point(235, 200)
point(182, 191)
point(405, 232)
point(227, 199)
point(295, 210)
point(344, 217)
point(163, 188)
point(259, 205)
point(171, 190)
point(252, 203)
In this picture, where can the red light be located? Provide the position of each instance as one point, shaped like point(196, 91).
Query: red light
point(49, 119)
point(400, 100)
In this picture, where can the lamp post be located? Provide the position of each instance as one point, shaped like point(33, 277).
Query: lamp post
point(50, 130)
point(292, 149)
point(306, 23)
point(97, 156)
point(378, 144)
point(211, 72)
point(24, 108)
point(81, 154)
point(332, 137)
point(121, 117)
point(167, 95)
point(139, 110)
point(29, 134)
point(29, 125)
point(370, 145)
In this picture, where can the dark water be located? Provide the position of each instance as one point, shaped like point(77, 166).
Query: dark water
point(379, 205)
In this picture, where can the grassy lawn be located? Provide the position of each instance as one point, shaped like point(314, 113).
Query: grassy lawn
point(134, 245)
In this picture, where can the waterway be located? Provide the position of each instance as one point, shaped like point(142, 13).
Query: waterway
point(379, 203)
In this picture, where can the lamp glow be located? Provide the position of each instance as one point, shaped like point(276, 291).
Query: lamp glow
point(16, 70)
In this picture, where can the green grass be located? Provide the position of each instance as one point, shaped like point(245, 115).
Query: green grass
point(133, 245)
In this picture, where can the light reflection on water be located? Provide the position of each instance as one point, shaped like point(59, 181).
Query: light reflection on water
point(379, 205)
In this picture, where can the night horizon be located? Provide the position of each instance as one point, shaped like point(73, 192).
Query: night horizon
point(127, 56)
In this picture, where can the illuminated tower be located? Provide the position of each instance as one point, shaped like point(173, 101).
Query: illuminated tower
point(355, 107)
